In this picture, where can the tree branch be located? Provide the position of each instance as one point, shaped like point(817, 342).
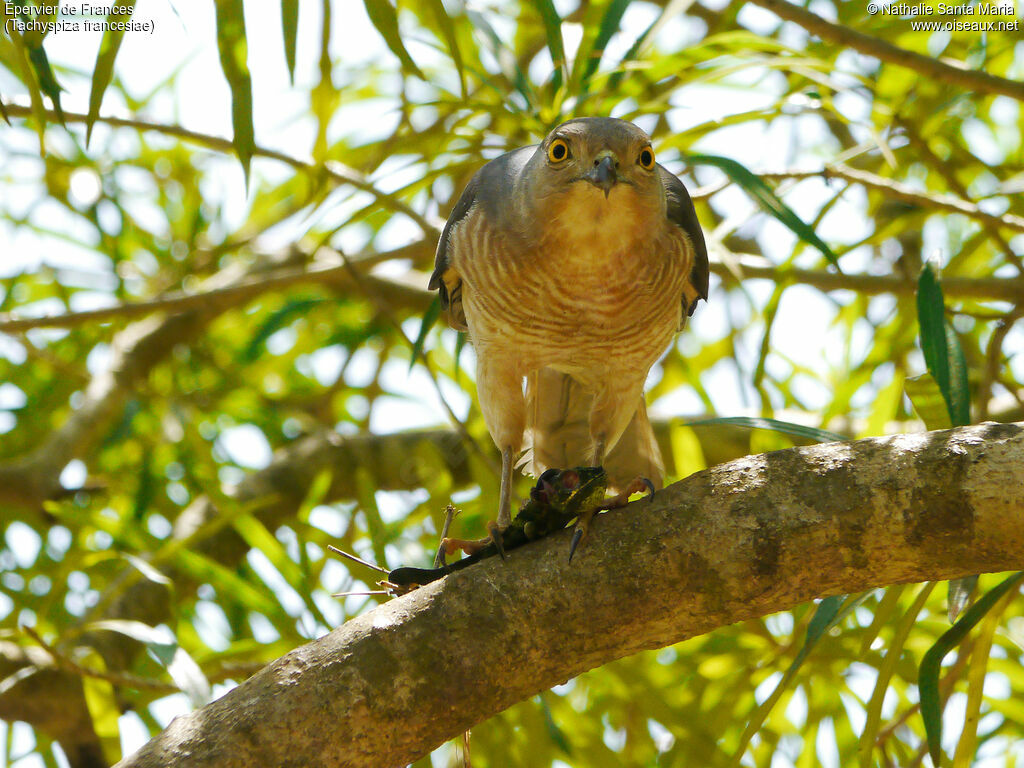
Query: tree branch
point(334, 170)
point(395, 290)
point(409, 293)
point(734, 542)
point(969, 79)
point(904, 193)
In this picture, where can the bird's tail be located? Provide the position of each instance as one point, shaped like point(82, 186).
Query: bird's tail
point(558, 433)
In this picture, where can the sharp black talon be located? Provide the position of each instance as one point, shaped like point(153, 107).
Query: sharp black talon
point(496, 538)
point(577, 537)
point(650, 487)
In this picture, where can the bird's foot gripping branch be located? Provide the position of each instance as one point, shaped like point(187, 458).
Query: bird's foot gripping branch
point(559, 497)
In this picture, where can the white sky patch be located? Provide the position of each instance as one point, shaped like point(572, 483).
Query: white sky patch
point(245, 445)
point(74, 474)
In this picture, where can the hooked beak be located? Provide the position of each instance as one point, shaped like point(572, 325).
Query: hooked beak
point(603, 174)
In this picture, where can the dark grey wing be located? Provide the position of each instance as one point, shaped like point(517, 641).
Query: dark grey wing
point(490, 189)
point(465, 203)
point(681, 212)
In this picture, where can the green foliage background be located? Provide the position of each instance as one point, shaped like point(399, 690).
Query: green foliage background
point(166, 565)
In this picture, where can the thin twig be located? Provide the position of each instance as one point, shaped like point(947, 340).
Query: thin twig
point(179, 301)
point(948, 74)
point(903, 192)
point(449, 514)
point(122, 679)
point(334, 170)
point(356, 559)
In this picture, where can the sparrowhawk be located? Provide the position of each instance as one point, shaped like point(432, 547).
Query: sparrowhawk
point(572, 264)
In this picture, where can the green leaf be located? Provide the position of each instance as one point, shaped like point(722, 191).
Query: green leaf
point(47, 80)
point(103, 70)
point(3, 111)
point(928, 672)
point(460, 344)
point(257, 536)
point(188, 676)
point(609, 26)
point(826, 616)
point(784, 427)
point(385, 18)
point(893, 654)
point(928, 402)
point(147, 570)
point(226, 581)
point(429, 319)
point(28, 77)
point(101, 702)
point(444, 23)
point(136, 630)
point(290, 31)
point(505, 56)
point(554, 732)
point(233, 50)
point(553, 31)
point(274, 322)
point(317, 493)
point(942, 352)
point(764, 196)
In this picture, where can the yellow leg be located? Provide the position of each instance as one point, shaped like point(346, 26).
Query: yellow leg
point(504, 500)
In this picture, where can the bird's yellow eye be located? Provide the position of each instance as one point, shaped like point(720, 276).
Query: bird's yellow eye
point(558, 151)
point(646, 159)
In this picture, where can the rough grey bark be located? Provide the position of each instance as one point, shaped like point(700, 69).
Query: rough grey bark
point(741, 540)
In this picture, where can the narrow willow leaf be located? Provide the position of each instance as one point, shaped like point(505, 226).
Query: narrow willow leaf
point(554, 732)
point(669, 11)
point(188, 676)
point(233, 50)
point(460, 344)
point(764, 196)
point(505, 56)
point(609, 26)
point(553, 31)
point(226, 581)
point(28, 77)
point(103, 69)
point(931, 664)
point(687, 455)
point(147, 570)
point(634, 51)
point(928, 402)
point(366, 489)
point(784, 427)
point(948, 370)
point(894, 652)
point(959, 393)
point(444, 23)
point(385, 18)
point(429, 319)
point(290, 32)
point(977, 673)
point(275, 321)
point(102, 704)
point(317, 493)
point(941, 349)
point(136, 630)
point(44, 75)
point(256, 535)
point(826, 616)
